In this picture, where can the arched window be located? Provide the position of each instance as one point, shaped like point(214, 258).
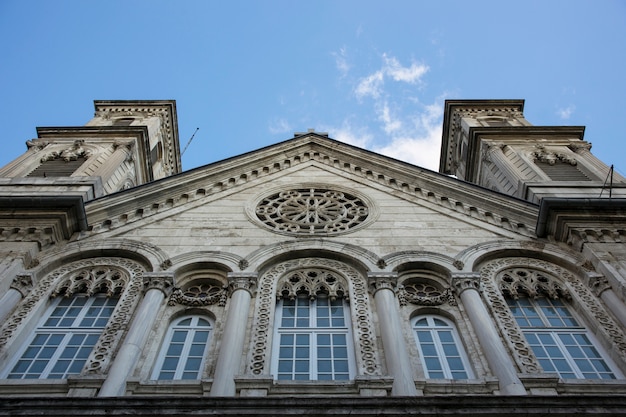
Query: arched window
point(64, 337)
point(442, 356)
point(184, 349)
point(558, 340)
point(314, 339)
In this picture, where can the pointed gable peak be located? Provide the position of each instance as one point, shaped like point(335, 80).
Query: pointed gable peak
point(310, 132)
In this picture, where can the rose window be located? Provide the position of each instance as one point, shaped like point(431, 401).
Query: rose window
point(311, 211)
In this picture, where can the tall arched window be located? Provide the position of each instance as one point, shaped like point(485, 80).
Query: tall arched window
point(558, 340)
point(184, 349)
point(314, 340)
point(313, 337)
point(442, 356)
point(64, 337)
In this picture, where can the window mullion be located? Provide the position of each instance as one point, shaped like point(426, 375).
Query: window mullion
point(567, 355)
point(442, 355)
point(184, 354)
point(67, 335)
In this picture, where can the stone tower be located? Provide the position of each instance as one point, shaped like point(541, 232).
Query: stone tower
point(127, 143)
point(490, 143)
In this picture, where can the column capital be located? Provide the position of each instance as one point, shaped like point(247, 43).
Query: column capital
point(579, 147)
point(242, 281)
point(598, 283)
point(382, 281)
point(23, 283)
point(465, 281)
point(162, 281)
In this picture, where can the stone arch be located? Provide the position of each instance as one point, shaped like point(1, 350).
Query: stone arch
point(471, 258)
point(150, 256)
point(558, 282)
point(224, 261)
point(269, 255)
point(368, 362)
point(400, 261)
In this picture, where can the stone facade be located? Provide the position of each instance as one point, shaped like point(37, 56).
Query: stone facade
point(312, 270)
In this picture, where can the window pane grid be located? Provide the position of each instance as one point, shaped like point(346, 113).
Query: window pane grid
point(182, 356)
point(439, 349)
point(62, 344)
point(313, 340)
point(558, 341)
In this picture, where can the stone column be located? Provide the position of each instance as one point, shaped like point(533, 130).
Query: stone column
point(242, 286)
point(156, 286)
point(584, 150)
point(495, 154)
point(396, 354)
point(20, 287)
point(122, 152)
point(602, 289)
point(501, 364)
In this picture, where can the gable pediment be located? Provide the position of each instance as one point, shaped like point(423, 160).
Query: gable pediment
point(192, 188)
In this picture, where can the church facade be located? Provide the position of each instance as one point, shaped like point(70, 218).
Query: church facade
point(311, 276)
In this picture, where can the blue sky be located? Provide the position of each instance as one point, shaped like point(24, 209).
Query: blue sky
point(371, 73)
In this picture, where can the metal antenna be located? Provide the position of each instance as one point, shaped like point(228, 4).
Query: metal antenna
point(190, 139)
point(609, 178)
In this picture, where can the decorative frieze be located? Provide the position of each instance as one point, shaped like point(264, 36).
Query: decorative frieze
point(402, 185)
point(425, 293)
point(203, 293)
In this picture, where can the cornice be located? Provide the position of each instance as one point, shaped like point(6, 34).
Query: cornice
point(401, 179)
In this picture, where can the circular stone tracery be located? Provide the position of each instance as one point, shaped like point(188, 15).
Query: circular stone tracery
point(311, 211)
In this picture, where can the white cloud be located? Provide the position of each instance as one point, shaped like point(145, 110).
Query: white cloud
point(566, 112)
point(347, 133)
point(420, 142)
point(370, 85)
point(390, 123)
point(280, 126)
point(341, 61)
point(397, 72)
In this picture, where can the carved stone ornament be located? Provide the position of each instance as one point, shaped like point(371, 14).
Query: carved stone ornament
point(555, 281)
point(23, 283)
point(70, 154)
point(463, 282)
point(349, 279)
point(36, 144)
point(242, 281)
point(312, 282)
point(202, 293)
point(74, 275)
point(422, 293)
point(549, 157)
point(163, 283)
point(311, 211)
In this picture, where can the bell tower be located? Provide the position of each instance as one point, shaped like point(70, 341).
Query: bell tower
point(127, 143)
point(490, 143)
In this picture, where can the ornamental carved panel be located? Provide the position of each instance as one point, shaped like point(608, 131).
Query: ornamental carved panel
point(311, 211)
point(314, 276)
